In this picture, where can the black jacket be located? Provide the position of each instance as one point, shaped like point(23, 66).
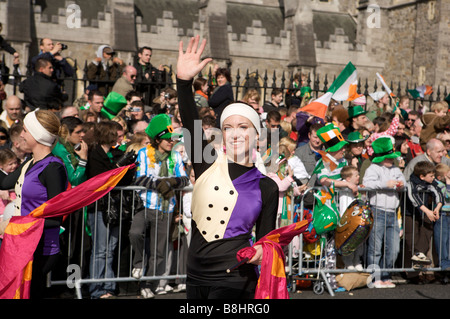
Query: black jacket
point(98, 163)
point(40, 91)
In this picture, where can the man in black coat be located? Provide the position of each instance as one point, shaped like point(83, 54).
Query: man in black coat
point(40, 91)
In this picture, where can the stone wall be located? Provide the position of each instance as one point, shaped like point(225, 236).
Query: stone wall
point(411, 44)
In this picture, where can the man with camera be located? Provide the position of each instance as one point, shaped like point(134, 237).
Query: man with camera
point(52, 52)
point(149, 77)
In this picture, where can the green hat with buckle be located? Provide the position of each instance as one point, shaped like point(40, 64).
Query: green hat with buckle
point(160, 127)
point(383, 149)
point(113, 104)
point(355, 110)
point(331, 137)
point(356, 137)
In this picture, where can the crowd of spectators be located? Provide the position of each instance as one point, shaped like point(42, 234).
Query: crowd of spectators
point(107, 122)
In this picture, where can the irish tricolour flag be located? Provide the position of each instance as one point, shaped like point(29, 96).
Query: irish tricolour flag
point(342, 89)
point(386, 87)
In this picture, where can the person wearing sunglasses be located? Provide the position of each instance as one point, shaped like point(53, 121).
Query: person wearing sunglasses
point(125, 83)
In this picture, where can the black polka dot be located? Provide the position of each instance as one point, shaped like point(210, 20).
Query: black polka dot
point(222, 222)
point(216, 188)
point(210, 205)
point(231, 192)
point(216, 236)
point(203, 232)
point(208, 218)
point(225, 208)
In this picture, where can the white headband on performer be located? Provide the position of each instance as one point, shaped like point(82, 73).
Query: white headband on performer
point(39, 133)
point(243, 110)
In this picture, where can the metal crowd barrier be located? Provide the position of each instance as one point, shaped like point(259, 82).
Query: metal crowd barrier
point(309, 265)
point(300, 263)
point(77, 260)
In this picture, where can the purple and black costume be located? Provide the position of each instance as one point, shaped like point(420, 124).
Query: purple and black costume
point(228, 201)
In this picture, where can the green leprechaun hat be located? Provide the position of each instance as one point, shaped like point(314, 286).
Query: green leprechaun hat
point(113, 104)
point(355, 110)
point(383, 149)
point(331, 137)
point(160, 127)
point(356, 137)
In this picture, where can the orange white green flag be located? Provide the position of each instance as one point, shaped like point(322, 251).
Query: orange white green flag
point(344, 88)
point(23, 233)
point(386, 87)
point(421, 91)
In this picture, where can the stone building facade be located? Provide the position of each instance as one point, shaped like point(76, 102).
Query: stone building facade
point(405, 40)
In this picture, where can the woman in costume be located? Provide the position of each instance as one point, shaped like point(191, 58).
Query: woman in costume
point(230, 194)
point(37, 180)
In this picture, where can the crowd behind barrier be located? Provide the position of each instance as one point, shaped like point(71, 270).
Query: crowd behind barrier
point(126, 112)
point(306, 260)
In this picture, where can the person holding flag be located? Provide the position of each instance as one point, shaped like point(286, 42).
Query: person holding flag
point(37, 180)
point(230, 195)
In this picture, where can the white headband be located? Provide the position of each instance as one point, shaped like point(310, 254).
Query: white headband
point(243, 110)
point(39, 133)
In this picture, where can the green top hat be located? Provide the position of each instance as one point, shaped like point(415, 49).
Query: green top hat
point(356, 137)
point(113, 104)
point(331, 137)
point(383, 149)
point(160, 127)
point(356, 110)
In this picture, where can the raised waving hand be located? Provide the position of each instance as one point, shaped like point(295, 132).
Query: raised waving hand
point(189, 62)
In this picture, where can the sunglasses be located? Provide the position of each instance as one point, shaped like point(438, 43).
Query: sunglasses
point(3, 137)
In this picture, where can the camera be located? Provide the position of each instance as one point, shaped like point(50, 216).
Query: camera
point(167, 95)
point(64, 46)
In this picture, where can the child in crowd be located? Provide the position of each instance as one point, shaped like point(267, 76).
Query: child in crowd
point(384, 239)
point(298, 168)
point(328, 170)
point(420, 214)
point(346, 197)
point(8, 164)
point(442, 224)
point(434, 122)
point(284, 179)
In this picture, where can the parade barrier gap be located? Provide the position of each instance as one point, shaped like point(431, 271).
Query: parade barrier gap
point(303, 262)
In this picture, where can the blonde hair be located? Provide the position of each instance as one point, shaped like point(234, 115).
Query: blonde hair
point(49, 121)
point(289, 142)
point(286, 126)
point(439, 106)
point(442, 170)
point(139, 138)
point(252, 94)
point(134, 147)
point(121, 121)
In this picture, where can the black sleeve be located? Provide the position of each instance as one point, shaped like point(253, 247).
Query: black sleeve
point(9, 181)
point(267, 219)
point(189, 114)
point(54, 178)
point(220, 96)
point(6, 46)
